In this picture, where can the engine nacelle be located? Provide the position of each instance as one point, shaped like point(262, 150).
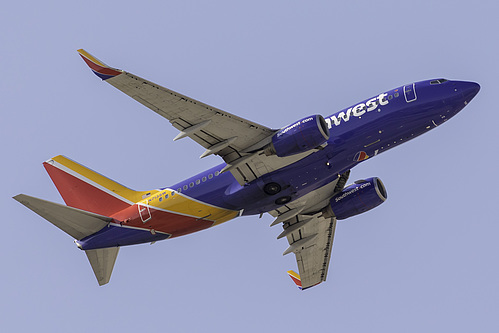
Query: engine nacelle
point(358, 198)
point(303, 135)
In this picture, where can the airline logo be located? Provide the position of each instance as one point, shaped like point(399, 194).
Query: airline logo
point(290, 127)
point(357, 111)
point(360, 156)
point(352, 191)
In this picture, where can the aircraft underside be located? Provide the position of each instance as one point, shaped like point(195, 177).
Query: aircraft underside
point(298, 174)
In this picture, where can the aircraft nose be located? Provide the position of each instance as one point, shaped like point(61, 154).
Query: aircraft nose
point(468, 90)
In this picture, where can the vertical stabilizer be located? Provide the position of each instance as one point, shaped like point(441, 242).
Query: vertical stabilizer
point(83, 188)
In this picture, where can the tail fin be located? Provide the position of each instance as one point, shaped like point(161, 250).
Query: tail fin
point(86, 189)
point(78, 224)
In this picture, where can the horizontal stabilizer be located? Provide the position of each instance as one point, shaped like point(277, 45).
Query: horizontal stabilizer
point(75, 222)
point(102, 262)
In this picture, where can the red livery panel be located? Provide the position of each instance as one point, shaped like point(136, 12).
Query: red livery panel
point(158, 220)
point(82, 195)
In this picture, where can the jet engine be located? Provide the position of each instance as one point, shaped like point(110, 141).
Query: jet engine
point(358, 198)
point(303, 135)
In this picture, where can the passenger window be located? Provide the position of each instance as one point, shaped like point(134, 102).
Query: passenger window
point(198, 182)
point(204, 179)
point(390, 97)
point(191, 184)
point(186, 187)
point(179, 190)
point(217, 173)
point(210, 176)
point(396, 94)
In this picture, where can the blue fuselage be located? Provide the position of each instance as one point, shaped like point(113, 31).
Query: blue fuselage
point(359, 132)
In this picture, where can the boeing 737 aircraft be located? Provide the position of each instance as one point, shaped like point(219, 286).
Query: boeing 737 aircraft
point(297, 174)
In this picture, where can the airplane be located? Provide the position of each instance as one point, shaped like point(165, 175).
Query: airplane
point(298, 173)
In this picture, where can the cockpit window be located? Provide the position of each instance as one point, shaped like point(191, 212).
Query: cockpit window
point(439, 81)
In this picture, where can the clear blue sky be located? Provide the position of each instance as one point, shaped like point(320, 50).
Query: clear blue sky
point(426, 260)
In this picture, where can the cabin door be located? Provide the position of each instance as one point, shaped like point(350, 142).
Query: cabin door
point(144, 212)
point(410, 93)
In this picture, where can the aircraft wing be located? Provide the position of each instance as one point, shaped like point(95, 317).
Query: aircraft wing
point(309, 227)
point(238, 141)
point(310, 238)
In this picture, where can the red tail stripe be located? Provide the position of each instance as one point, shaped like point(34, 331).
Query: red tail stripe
point(170, 223)
point(79, 194)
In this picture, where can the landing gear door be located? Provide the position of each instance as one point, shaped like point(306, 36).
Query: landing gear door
point(410, 93)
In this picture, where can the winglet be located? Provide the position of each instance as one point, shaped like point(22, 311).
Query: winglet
point(296, 278)
point(98, 67)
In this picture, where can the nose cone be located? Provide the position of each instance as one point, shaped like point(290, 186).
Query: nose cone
point(468, 90)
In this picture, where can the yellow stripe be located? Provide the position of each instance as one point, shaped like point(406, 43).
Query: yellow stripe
point(175, 203)
point(103, 181)
point(294, 274)
point(178, 203)
point(91, 58)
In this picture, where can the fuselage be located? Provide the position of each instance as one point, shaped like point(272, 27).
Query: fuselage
point(358, 133)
